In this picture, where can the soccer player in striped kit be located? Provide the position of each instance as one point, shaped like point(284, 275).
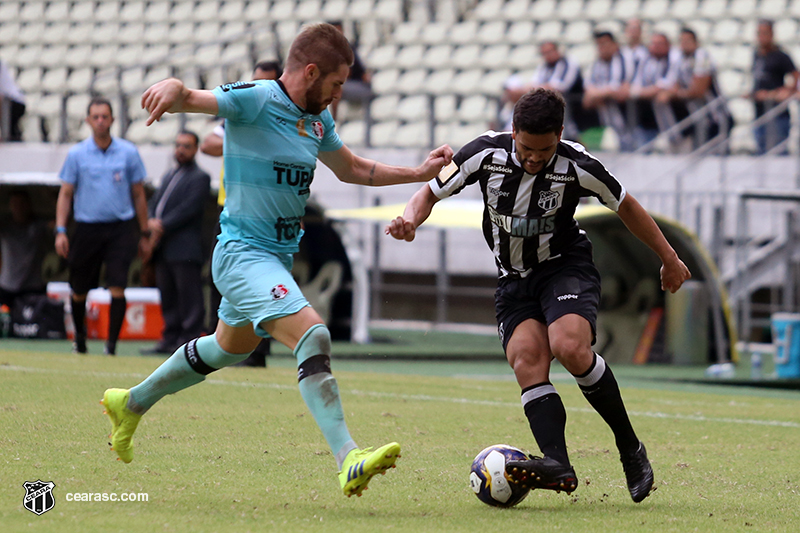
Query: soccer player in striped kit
point(549, 288)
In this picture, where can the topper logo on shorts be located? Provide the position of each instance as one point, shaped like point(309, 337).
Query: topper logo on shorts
point(279, 292)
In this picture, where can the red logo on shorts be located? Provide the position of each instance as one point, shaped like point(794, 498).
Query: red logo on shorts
point(279, 292)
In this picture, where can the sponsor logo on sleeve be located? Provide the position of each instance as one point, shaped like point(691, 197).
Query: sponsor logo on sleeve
point(237, 85)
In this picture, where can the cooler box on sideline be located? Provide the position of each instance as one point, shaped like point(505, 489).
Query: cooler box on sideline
point(786, 338)
point(60, 291)
point(143, 320)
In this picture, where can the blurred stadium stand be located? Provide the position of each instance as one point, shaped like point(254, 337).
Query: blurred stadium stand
point(438, 66)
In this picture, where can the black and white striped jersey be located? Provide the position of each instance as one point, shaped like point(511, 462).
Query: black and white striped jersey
point(528, 219)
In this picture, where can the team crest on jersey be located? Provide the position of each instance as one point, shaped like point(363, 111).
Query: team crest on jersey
point(548, 200)
point(318, 129)
point(279, 292)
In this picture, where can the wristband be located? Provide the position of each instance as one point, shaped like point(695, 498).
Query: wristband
point(61, 229)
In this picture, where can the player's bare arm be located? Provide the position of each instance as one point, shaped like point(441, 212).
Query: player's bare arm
point(172, 96)
point(351, 168)
point(63, 207)
point(416, 212)
point(642, 225)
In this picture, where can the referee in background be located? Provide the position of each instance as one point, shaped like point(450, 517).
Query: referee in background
point(104, 178)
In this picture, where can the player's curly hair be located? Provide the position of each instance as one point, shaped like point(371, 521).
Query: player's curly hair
point(322, 45)
point(539, 111)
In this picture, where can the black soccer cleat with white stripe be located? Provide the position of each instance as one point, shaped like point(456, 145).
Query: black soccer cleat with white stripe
point(542, 473)
point(638, 473)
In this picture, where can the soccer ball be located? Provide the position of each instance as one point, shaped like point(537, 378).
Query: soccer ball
point(488, 477)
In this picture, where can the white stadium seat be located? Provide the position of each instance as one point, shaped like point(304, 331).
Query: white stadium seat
point(445, 108)
point(684, 9)
point(231, 11)
point(56, 11)
point(495, 57)
point(407, 33)
point(654, 9)
point(785, 31)
point(9, 11)
point(543, 10)
point(726, 31)
point(468, 82)
point(80, 79)
point(476, 107)
point(383, 57)
point(131, 33)
point(463, 33)
point(9, 32)
point(626, 9)
point(410, 57)
point(31, 33)
point(520, 32)
point(412, 108)
point(333, 10)
point(466, 56)
point(488, 10)
point(55, 80)
point(772, 9)
point(524, 56)
point(492, 32)
point(597, 10)
point(389, 10)
point(413, 135)
point(548, 31)
point(713, 9)
point(383, 134)
point(282, 10)
point(132, 11)
point(104, 12)
point(30, 79)
point(411, 81)
point(437, 57)
point(32, 12)
point(384, 81)
point(578, 31)
point(742, 110)
point(436, 33)
point(439, 82)
point(184, 12)
point(77, 105)
point(157, 11)
point(742, 9)
point(570, 9)
point(516, 9)
point(156, 32)
point(352, 133)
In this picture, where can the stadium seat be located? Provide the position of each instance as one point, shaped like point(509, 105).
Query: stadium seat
point(406, 33)
point(520, 32)
point(80, 80)
point(155, 54)
point(626, 9)
point(9, 32)
point(410, 56)
point(437, 57)
point(231, 10)
point(232, 31)
point(445, 108)
point(466, 56)
point(570, 9)
point(548, 31)
point(360, 9)
point(56, 12)
point(103, 55)
point(669, 27)
point(732, 83)
point(726, 31)
point(30, 79)
point(468, 82)
point(132, 11)
point(494, 57)
point(334, 10)
point(435, 33)
point(742, 140)
point(597, 10)
point(130, 55)
point(488, 10)
point(131, 33)
point(576, 32)
point(383, 134)
point(31, 33)
point(32, 12)
point(184, 11)
point(157, 12)
point(86, 11)
point(414, 135)
point(786, 31)
point(55, 80)
point(352, 133)
point(516, 9)
point(476, 107)
point(793, 9)
point(29, 56)
point(439, 82)
point(742, 110)
point(383, 57)
point(584, 54)
point(282, 10)
point(492, 32)
point(773, 9)
point(654, 9)
point(235, 52)
point(133, 79)
point(9, 11)
point(741, 57)
point(493, 81)
point(463, 33)
point(713, 9)
point(414, 108)
point(702, 28)
point(156, 33)
point(388, 10)
point(77, 105)
point(55, 33)
point(684, 10)
point(543, 10)
point(412, 81)
point(524, 57)
point(384, 81)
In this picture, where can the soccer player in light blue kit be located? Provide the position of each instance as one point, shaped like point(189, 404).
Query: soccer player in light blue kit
point(275, 131)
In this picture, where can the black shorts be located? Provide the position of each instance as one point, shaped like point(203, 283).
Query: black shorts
point(92, 245)
point(569, 284)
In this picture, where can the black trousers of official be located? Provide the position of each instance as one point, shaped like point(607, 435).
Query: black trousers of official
point(182, 305)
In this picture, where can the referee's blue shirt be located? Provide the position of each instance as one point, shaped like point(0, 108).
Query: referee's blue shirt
point(103, 179)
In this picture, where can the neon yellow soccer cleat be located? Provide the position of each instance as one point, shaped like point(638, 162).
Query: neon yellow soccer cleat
point(123, 422)
point(360, 465)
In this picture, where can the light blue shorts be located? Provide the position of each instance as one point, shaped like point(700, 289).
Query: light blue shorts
point(256, 285)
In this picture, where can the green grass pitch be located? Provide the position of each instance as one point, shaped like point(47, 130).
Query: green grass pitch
point(241, 453)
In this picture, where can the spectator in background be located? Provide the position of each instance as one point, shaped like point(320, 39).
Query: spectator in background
point(105, 177)
point(771, 65)
point(635, 50)
point(12, 106)
point(23, 241)
point(558, 73)
point(697, 87)
point(176, 227)
point(657, 73)
point(608, 86)
point(212, 145)
point(357, 88)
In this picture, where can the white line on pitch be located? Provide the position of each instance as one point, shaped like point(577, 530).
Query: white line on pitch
point(421, 397)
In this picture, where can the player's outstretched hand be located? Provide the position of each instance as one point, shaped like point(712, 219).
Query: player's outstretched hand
point(401, 229)
point(164, 97)
point(673, 274)
point(435, 161)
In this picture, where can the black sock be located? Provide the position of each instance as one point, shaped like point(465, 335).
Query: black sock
point(548, 419)
point(116, 316)
point(601, 390)
point(79, 319)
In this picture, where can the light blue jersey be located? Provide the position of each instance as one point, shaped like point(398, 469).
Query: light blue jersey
point(271, 147)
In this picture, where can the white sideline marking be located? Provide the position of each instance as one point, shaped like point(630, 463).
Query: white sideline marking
point(421, 397)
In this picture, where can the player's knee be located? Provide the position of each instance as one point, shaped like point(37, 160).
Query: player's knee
point(313, 352)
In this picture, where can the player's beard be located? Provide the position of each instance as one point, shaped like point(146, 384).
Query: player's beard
point(314, 103)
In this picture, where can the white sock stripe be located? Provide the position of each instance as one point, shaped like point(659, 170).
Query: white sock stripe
point(538, 392)
point(594, 376)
